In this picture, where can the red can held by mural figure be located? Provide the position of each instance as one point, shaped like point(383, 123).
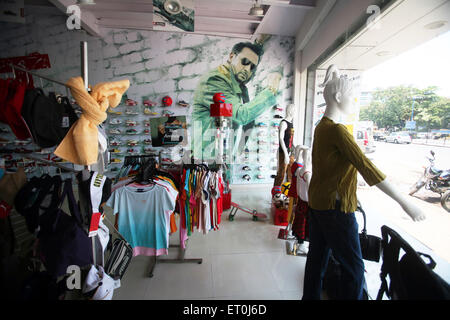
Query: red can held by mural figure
point(219, 108)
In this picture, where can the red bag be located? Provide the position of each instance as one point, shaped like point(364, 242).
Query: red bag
point(5, 209)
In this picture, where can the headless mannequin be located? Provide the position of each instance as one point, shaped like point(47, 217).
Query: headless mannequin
point(284, 150)
point(342, 103)
point(303, 175)
point(341, 237)
point(305, 171)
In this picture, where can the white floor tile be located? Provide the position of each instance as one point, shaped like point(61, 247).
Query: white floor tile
point(244, 260)
point(288, 271)
point(292, 295)
point(173, 281)
point(241, 274)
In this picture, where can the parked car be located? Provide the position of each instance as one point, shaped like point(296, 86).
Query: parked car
point(422, 135)
point(379, 136)
point(365, 140)
point(399, 137)
point(438, 136)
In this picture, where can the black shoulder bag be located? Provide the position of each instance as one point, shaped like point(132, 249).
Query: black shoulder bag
point(370, 245)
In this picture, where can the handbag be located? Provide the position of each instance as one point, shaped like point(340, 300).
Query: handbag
point(119, 259)
point(62, 240)
point(370, 245)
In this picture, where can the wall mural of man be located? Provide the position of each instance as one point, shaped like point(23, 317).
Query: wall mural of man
point(231, 79)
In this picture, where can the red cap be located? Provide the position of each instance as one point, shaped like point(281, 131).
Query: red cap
point(167, 101)
point(12, 110)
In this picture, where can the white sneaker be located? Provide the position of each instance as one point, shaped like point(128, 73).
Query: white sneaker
point(115, 121)
point(302, 249)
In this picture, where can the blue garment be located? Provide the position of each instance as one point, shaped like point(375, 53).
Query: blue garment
point(144, 217)
point(337, 232)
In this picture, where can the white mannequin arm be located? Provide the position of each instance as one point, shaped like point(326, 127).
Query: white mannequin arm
point(283, 128)
point(308, 176)
point(413, 211)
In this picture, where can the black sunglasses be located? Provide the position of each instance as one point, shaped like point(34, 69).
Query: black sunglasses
point(246, 62)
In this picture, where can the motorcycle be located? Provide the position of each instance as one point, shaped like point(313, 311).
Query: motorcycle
point(435, 180)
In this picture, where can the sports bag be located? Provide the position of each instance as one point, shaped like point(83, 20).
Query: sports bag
point(62, 240)
point(119, 259)
point(411, 278)
point(48, 118)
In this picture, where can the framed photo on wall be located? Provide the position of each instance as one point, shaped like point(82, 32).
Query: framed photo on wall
point(168, 131)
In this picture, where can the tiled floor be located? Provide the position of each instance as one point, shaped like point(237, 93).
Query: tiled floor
point(244, 260)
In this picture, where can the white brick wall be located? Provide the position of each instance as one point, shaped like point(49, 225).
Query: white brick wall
point(157, 63)
point(130, 47)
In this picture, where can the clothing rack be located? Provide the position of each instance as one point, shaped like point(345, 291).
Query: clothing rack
point(37, 75)
point(181, 258)
point(181, 255)
point(182, 252)
point(84, 73)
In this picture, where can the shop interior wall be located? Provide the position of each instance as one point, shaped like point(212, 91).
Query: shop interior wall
point(156, 63)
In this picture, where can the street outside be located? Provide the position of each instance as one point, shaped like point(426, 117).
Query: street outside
point(404, 164)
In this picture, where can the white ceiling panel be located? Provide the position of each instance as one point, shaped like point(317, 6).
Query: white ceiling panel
point(221, 17)
point(283, 21)
point(403, 27)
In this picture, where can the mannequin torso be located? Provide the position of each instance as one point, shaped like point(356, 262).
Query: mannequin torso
point(338, 95)
point(286, 133)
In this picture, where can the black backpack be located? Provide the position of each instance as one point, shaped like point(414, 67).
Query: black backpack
point(410, 277)
point(49, 118)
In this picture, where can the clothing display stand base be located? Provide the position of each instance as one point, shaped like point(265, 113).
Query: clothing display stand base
point(181, 259)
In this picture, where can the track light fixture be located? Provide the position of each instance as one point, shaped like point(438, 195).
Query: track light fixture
point(256, 10)
point(83, 2)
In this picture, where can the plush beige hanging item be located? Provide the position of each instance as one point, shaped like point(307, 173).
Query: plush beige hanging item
point(80, 145)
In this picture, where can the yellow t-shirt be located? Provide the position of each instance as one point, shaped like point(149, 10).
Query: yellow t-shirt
point(336, 159)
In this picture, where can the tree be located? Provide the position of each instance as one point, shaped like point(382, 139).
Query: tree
point(391, 108)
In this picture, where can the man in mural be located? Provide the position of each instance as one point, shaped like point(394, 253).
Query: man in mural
point(231, 79)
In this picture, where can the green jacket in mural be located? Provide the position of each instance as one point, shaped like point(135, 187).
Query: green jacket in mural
point(222, 80)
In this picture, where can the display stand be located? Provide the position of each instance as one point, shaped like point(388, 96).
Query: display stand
point(181, 254)
point(181, 259)
point(84, 73)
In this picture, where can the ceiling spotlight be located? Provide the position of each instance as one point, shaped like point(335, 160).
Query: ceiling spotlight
point(172, 6)
point(383, 53)
point(83, 2)
point(436, 25)
point(256, 10)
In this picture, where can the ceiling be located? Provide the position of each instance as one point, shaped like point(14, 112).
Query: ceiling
point(401, 27)
point(215, 17)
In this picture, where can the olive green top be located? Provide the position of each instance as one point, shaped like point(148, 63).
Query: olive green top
point(336, 159)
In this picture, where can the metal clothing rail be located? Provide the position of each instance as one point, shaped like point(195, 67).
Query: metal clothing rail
point(38, 75)
point(50, 163)
point(181, 254)
point(181, 258)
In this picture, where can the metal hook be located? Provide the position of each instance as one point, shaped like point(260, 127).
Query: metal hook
point(13, 72)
